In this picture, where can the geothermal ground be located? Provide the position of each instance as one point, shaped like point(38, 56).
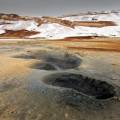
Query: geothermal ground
point(76, 78)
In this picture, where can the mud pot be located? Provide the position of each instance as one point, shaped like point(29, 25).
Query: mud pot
point(84, 85)
point(52, 61)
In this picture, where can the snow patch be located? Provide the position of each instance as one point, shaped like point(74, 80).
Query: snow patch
point(53, 31)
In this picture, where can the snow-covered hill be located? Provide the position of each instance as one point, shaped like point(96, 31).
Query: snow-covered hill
point(90, 24)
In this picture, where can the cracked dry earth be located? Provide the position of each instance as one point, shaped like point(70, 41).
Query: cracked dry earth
point(47, 80)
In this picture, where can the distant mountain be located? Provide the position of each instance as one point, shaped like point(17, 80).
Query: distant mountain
point(82, 24)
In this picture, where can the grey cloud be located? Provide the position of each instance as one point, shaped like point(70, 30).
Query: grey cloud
point(55, 7)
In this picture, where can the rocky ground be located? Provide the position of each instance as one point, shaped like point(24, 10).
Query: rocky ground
point(76, 78)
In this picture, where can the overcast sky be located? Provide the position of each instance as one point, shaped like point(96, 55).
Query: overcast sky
point(55, 7)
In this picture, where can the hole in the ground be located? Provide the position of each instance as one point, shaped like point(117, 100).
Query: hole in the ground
point(66, 61)
point(44, 66)
point(88, 86)
point(60, 60)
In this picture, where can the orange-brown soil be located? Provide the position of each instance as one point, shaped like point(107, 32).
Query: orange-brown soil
point(72, 24)
point(84, 44)
point(94, 23)
point(18, 33)
point(87, 43)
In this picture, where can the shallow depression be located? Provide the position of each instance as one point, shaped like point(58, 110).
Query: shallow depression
point(53, 60)
point(85, 85)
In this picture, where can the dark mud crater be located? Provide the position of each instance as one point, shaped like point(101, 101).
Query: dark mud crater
point(53, 60)
point(67, 61)
point(84, 85)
